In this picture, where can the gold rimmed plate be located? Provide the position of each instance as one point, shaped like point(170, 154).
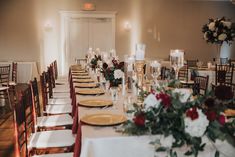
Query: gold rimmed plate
point(83, 80)
point(85, 85)
point(103, 119)
point(95, 103)
point(229, 112)
point(81, 77)
point(80, 74)
point(97, 91)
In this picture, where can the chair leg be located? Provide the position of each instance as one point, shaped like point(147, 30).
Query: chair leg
point(9, 99)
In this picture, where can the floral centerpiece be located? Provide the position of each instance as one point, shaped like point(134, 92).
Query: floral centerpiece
point(113, 72)
point(94, 61)
point(181, 120)
point(218, 31)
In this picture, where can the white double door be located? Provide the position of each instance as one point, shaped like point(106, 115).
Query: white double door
point(89, 32)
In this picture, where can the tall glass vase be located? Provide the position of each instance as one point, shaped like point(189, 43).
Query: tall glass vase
point(218, 49)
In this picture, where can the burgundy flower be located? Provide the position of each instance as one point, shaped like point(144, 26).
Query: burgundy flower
point(120, 65)
point(105, 65)
point(221, 119)
point(211, 115)
point(192, 113)
point(166, 100)
point(139, 120)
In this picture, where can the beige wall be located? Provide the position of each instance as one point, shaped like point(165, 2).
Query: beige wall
point(179, 22)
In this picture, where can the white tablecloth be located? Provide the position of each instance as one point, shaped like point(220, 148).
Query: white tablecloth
point(26, 71)
point(106, 142)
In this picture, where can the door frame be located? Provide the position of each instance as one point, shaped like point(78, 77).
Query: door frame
point(65, 17)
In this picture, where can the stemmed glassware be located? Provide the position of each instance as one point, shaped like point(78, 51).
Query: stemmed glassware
point(176, 60)
point(155, 70)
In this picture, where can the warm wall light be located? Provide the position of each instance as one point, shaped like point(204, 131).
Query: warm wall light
point(88, 7)
point(48, 26)
point(127, 26)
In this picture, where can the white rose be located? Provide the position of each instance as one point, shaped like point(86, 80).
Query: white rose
point(211, 26)
point(205, 36)
point(197, 127)
point(215, 34)
point(151, 101)
point(184, 94)
point(222, 37)
point(227, 24)
point(167, 141)
point(118, 74)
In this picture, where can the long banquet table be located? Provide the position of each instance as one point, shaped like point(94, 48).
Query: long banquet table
point(106, 142)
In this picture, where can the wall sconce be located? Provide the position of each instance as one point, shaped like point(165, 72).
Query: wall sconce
point(48, 27)
point(127, 26)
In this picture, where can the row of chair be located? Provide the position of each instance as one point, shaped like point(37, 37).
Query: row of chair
point(41, 132)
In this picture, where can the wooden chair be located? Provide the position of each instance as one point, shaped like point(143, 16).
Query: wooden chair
point(14, 72)
point(47, 122)
point(223, 74)
point(192, 63)
point(56, 91)
point(4, 85)
point(183, 77)
point(41, 141)
point(53, 105)
point(200, 85)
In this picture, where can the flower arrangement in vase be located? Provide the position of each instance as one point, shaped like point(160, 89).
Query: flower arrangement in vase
point(218, 31)
point(180, 119)
point(113, 72)
point(94, 61)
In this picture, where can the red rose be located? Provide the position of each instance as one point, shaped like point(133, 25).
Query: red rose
point(211, 115)
point(166, 100)
point(192, 113)
point(221, 119)
point(139, 120)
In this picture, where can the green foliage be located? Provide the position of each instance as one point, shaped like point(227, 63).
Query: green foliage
point(167, 121)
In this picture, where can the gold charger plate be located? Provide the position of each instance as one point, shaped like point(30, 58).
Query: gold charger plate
point(229, 112)
point(86, 85)
point(90, 91)
point(103, 119)
point(81, 77)
point(83, 80)
point(95, 103)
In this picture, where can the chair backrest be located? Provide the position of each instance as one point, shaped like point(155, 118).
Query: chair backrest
point(55, 69)
point(23, 121)
point(4, 74)
point(44, 90)
point(223, 73)
point(35, 95)
point(51, 76)
point(20, 129)
point(200, 85)
point(14, 72)
point(192, 63)
point(183, 73)
point(224, 61)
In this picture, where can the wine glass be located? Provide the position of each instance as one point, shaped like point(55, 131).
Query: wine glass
point(177, 60)
point(155, 69)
